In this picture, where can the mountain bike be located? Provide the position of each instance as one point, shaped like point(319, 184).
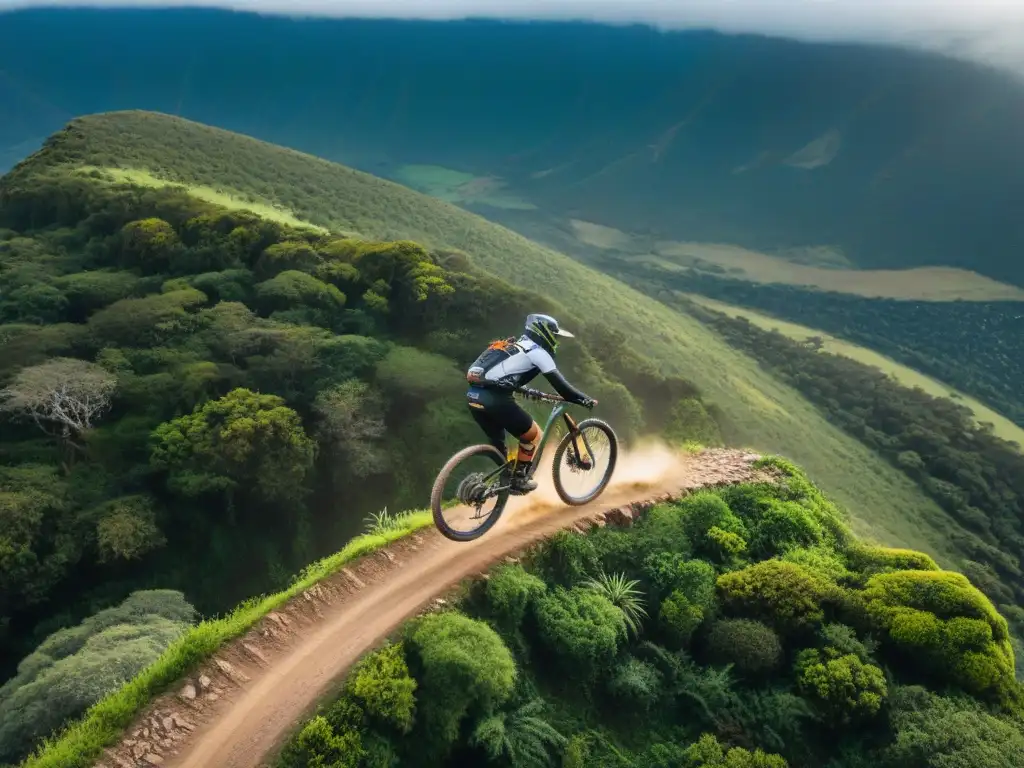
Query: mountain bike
point(576, 455)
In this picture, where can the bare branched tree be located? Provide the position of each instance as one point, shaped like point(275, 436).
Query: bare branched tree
point(63, 396)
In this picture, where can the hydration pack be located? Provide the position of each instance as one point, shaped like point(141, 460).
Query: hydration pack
point(497, 352)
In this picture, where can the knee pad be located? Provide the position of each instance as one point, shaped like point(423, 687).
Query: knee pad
point(527, 446)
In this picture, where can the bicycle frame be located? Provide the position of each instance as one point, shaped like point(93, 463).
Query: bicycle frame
point(560, 409)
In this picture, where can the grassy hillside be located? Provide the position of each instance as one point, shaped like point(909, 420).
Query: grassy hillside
point(741, 628)
point(762, 413)
point(905, 375)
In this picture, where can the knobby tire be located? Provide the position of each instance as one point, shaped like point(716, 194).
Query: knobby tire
point(563, 446)
point(438, 490)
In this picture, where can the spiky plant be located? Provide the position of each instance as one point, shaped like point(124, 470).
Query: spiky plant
point(521, 738)
point(623, 594)
point(379, 523)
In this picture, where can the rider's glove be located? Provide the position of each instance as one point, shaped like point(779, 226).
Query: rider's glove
point(588, 402)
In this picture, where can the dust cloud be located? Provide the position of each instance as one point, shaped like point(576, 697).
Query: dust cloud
point(648, 464)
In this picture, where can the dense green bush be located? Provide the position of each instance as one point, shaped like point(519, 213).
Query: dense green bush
point(937, 620)
point(708, 753)
point(75, 667)
point(466, 669)
point(870, 559)
point(510, 590)
point(784, 595)
point(785, 525)
point(635, 684)
point(382, 684)
point(691, 601)
point(750, 646)
point(582, 628)
point(842, 686)
point(937, 732)
point(243, 440)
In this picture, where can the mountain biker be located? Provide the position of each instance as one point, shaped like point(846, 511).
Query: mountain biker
point(511, 363)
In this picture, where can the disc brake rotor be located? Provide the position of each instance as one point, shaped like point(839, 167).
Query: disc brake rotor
point(577, 464)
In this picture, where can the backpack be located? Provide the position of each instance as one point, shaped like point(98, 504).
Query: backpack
point(497, 352)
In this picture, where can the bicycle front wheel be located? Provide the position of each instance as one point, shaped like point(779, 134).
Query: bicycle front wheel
point(470, 493)
point(586, 457)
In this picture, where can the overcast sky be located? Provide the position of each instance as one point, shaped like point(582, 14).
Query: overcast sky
point(989, 31)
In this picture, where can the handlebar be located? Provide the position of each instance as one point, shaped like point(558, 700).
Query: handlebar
point(536, 394)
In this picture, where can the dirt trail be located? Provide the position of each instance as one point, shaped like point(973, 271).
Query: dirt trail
point(235, 711)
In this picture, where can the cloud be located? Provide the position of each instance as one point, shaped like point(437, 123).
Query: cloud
point(985, 31)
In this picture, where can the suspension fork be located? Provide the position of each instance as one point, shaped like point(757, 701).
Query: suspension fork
point(582, 452)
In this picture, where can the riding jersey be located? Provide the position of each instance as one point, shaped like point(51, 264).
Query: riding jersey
point(523, 365)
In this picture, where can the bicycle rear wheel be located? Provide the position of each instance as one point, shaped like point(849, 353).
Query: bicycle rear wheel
point(470, 481)
point(593, 437)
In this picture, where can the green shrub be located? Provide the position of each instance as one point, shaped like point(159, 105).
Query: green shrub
point(243, 440)
point(319, 746)
point(937, 732)
point(842, 686)
point(783, 595)
point(783, 526)
point(669, 571)
point(940, 621)
point(708, 753)
point(636, 684)
point(567, 559)
point(383, 685)
point(582, 627)
point(292, 289)
point(821, 560)
point(679, 617)
point(664, 529)
point(750, 646)
point(844, 639)
point(751, 500)
point(724, 546)
point(871, 559)
point(705, 510)
point(465, 667)
point(150, 244)
point(519, 738)
point(510, 590)
point(76, 667)
point(691, 601)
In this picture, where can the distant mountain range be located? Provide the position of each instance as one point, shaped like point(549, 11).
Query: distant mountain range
point(889, 158)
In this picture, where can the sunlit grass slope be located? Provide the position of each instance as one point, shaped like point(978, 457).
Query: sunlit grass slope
point(767, 415)
point(905, 375)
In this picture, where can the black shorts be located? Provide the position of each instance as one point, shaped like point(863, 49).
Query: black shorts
point(497, 412)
